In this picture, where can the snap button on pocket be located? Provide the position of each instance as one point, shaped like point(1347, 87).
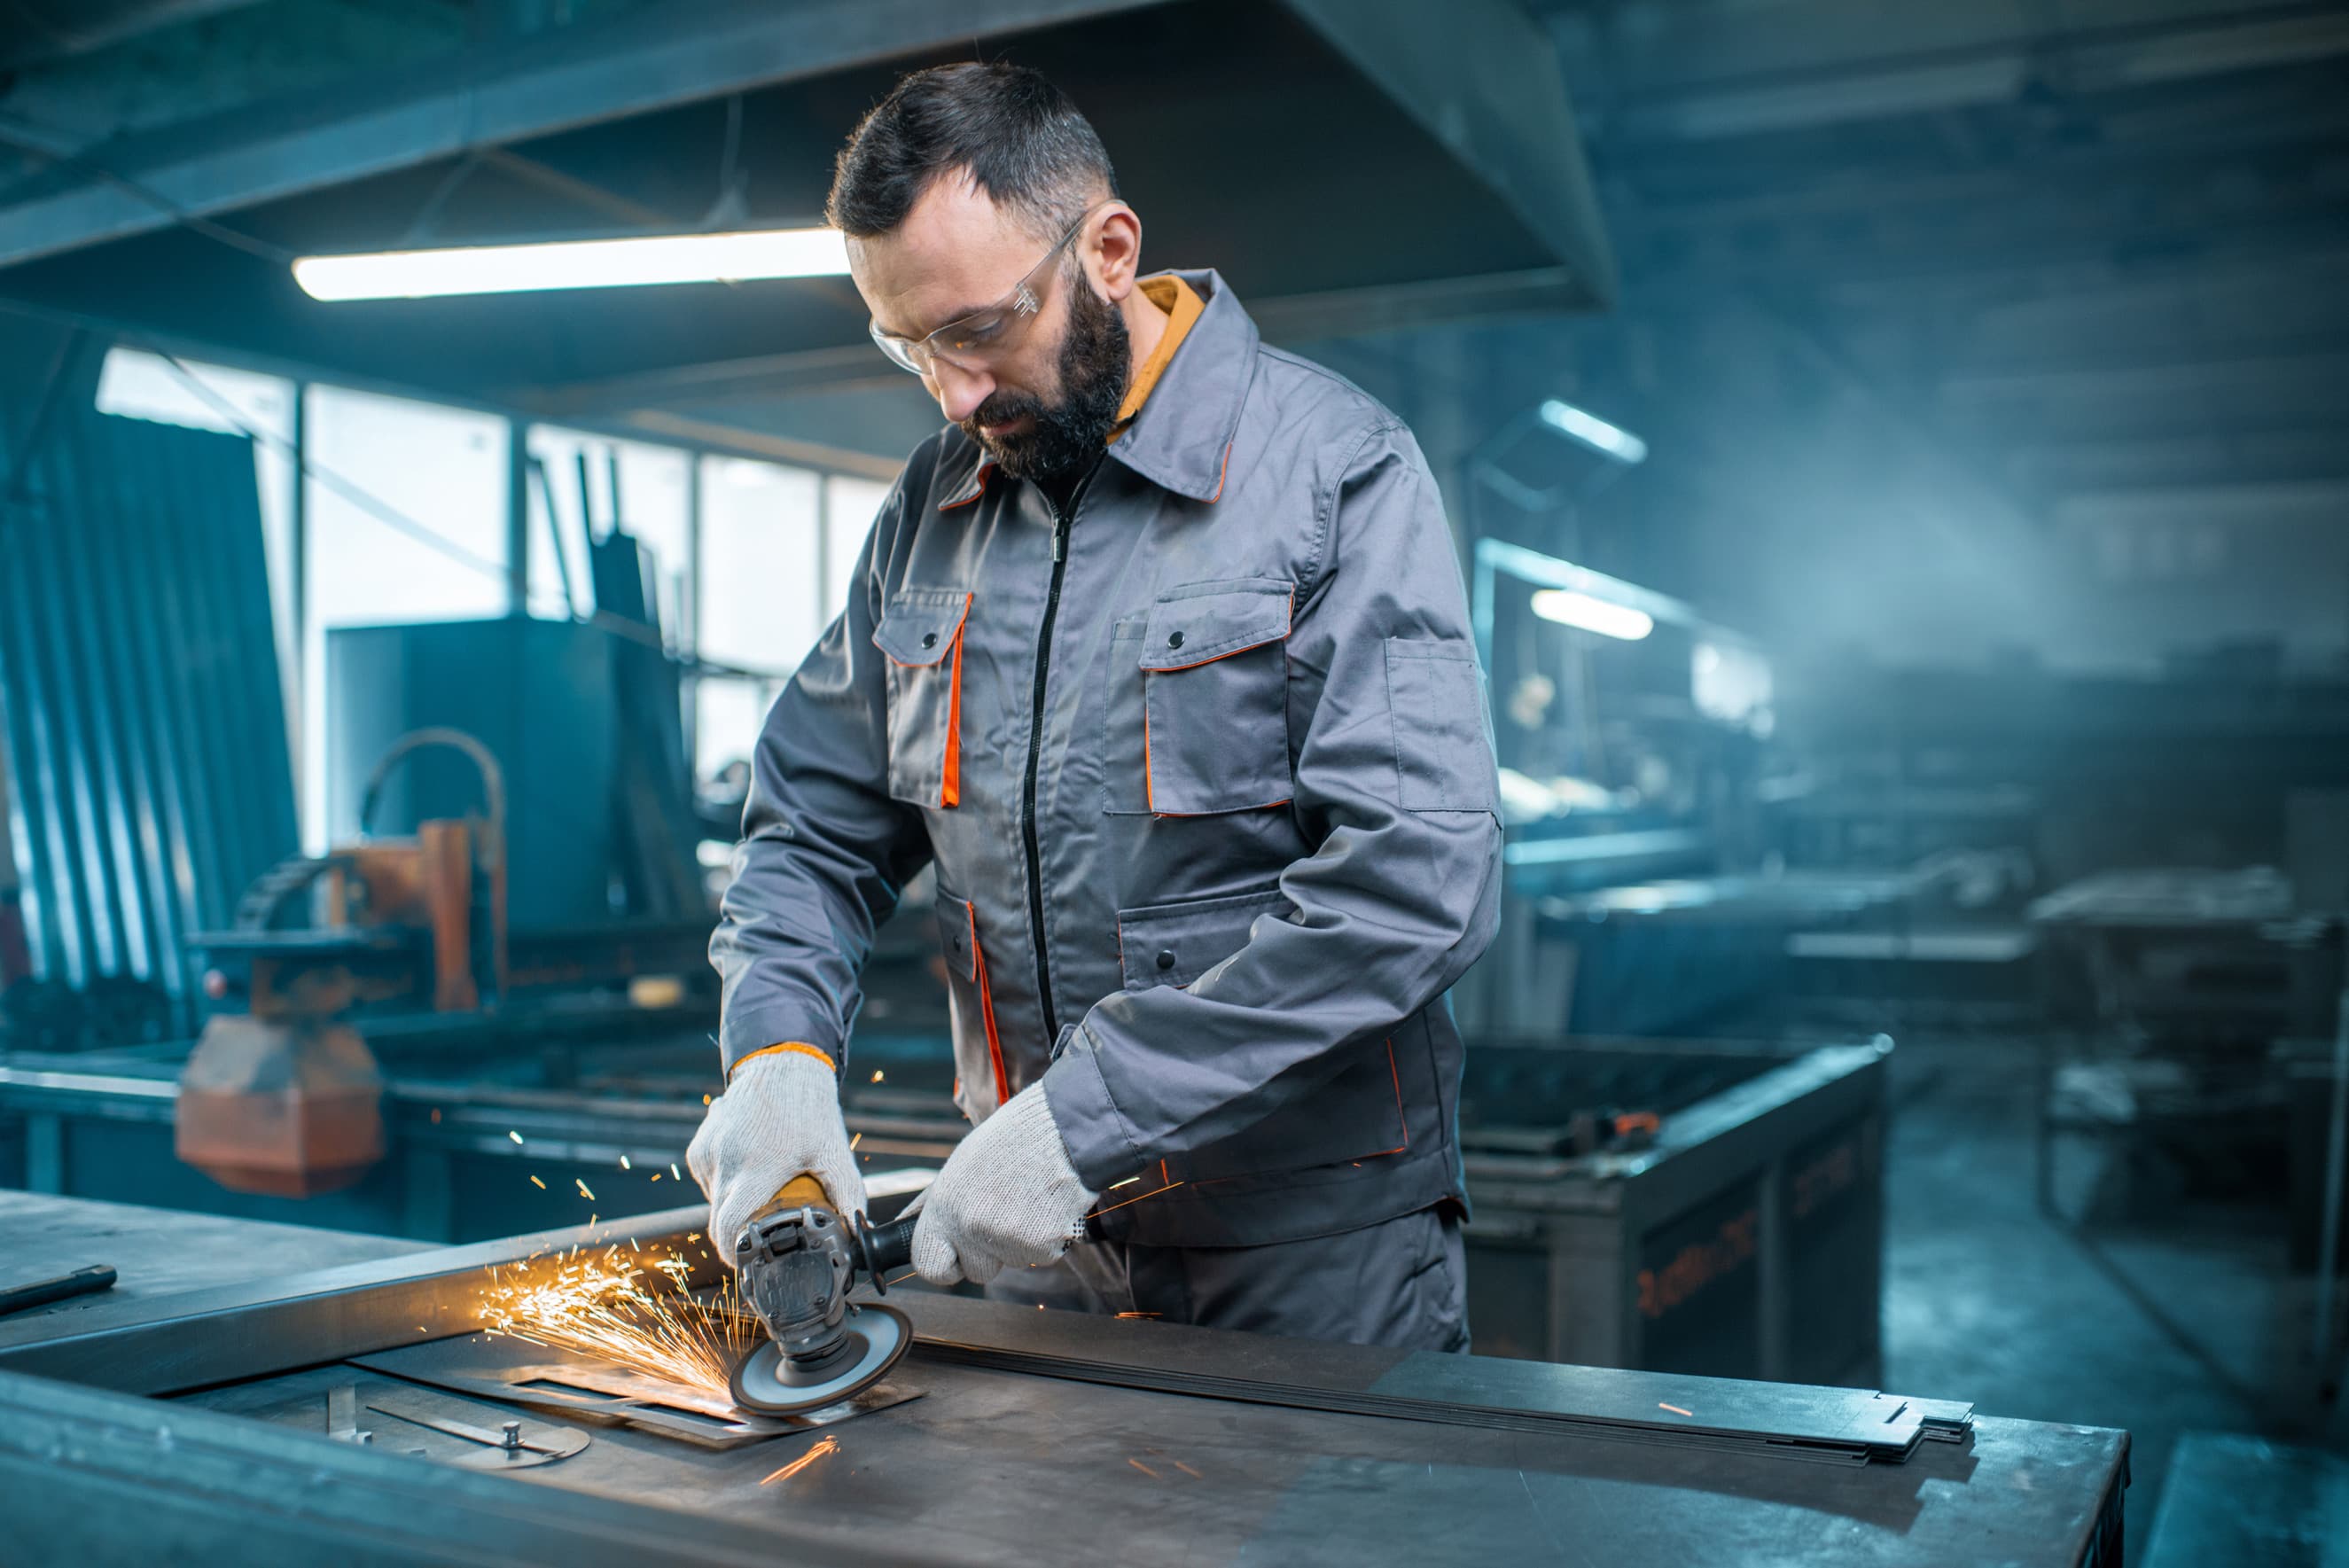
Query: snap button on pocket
point(1166, 958)
point(930, 639)
point(1175, 639)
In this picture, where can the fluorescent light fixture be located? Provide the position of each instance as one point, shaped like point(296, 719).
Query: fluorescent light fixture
point(1569, 608)
point(576, 264)
point(1593, 431)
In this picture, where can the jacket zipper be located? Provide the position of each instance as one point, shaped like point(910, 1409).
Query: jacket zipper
point(1035, 747)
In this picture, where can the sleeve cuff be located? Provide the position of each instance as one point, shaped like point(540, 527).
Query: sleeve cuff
point(790, 1047)
point(753, 1034)
point(1101, 1147)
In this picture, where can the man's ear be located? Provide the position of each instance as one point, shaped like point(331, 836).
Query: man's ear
point(1115, 253)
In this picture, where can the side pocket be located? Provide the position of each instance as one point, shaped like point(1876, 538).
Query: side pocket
point(1356, 1114)
point(921, 631)
point(977, 1049)
point(1442, 732)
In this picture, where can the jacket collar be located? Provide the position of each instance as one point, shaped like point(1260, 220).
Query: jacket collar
point(1182, 439)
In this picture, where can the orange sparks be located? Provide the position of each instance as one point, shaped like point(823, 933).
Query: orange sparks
point(828, 1446)
point(1152, 1194)
point(1188, 1471)
point(1675, 1409)
point(656, 1175)
point(583, 1189)
point(876, 1075)
point(537, 1183)
point(1139, 1315)
point(636, 1313)
point(1144, 1468)
point(855, 1140)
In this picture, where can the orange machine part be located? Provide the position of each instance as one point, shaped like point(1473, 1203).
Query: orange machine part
point(288, 1109)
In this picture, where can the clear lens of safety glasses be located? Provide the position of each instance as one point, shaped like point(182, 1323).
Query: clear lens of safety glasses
point(985, 333)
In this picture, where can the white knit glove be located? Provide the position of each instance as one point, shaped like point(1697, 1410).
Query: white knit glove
point(1007, 1198)
point(779, 1117)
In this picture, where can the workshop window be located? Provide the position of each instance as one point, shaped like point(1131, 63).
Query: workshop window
point(850, 506)
point(136, 385)
point(406, 523)
point(653, 506)
point(763, 596)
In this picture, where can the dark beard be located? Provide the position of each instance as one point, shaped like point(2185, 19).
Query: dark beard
point(1068, 438)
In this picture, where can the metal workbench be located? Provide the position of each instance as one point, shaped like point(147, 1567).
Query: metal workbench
point(1741, 1241)
point(131, 1439)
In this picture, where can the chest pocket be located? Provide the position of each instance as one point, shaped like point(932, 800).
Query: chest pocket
point(921, 631)
point(1197, 716)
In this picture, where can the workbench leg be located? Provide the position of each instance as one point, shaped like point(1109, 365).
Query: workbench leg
point(44, 1153)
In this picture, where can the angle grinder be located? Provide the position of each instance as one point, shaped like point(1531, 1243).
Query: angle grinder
point(795, 1263)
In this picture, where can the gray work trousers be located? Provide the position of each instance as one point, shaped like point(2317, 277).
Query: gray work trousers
point(1402, 1281)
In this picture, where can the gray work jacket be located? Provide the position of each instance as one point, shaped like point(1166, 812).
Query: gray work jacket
point(1205, 772)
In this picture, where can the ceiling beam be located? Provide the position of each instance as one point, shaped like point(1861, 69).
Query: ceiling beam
point(628, 64)
point(1906, 87)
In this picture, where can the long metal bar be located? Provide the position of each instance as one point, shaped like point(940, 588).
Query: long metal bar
point(267, 1327)
point(249, 1331)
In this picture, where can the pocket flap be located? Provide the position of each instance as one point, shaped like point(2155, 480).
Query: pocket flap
point(918, 626)
point(1201, 621)
point(958, 934)
point(1175, 943)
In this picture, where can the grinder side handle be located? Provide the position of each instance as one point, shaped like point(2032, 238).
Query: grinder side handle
point(888, 1248)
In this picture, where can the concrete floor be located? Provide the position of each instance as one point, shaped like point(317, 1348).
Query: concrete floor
point(2192, 1324)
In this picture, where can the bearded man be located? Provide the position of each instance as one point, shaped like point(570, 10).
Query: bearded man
point(1158, 652)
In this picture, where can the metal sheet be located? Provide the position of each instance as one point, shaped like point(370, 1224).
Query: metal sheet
point(142, 712)
point(509, 1369)
point(214, 1488)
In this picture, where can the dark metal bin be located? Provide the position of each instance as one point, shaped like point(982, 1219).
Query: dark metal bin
point(1745, 1240)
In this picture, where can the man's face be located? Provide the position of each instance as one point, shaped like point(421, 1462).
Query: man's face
point(1041, 408)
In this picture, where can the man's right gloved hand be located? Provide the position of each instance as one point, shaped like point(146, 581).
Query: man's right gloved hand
point(779, 1117)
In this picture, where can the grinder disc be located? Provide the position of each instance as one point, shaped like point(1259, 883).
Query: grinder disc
point(875, 1336)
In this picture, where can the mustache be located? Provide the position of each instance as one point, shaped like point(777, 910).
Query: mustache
point(1001, 408)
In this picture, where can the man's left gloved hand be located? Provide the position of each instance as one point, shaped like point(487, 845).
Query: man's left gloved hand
point(1007, 1198)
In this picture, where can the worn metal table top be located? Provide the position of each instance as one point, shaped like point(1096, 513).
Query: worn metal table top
point(997, 1466)
point(158, 1252)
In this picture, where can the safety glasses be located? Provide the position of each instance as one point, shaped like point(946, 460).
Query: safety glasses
point(969, 341)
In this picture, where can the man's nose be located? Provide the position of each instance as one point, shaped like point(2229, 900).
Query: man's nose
point(959, 392)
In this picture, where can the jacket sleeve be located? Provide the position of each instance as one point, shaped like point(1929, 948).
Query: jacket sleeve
point(1396, 784)
point(824, 850)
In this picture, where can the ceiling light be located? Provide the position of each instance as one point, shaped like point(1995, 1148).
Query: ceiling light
point(1569, 608)
point(576, 265)
point(1593, 431)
